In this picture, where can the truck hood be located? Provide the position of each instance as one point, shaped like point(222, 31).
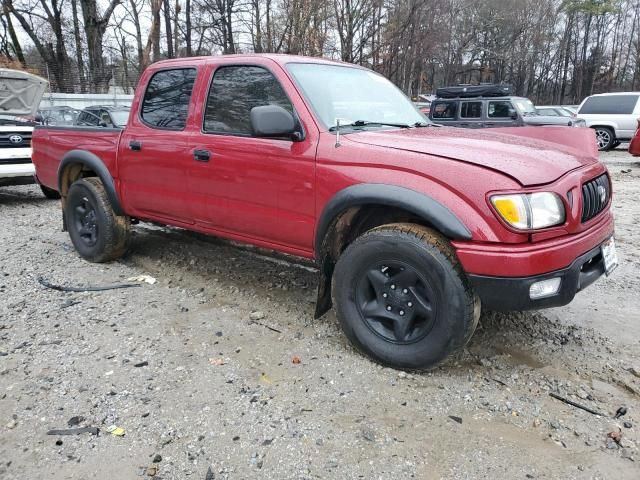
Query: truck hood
point(529, 155)
point(20, 93)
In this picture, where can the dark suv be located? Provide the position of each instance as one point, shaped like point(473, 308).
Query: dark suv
point(104, 116)
point(487, 106)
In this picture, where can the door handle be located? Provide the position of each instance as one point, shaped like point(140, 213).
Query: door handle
point(135, 145)
point(201, 155)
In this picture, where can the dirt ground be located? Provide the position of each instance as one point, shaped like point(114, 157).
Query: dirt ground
point(198, 369)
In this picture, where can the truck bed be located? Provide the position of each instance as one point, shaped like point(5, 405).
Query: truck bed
point(50, 144)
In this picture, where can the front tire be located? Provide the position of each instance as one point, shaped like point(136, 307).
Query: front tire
point(605, 138)
point(402, 298)
point(97, 233)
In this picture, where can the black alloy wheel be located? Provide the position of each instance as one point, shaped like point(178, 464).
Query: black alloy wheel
point(394, 300)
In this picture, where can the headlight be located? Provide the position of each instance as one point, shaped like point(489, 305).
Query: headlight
point(530, 211)
point(579, 122)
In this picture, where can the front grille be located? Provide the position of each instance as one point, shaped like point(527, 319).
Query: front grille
point(6, 139)
point(595, 196)
point(14, 161)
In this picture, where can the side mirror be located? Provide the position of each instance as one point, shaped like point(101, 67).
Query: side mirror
point(272, 121)
point(38, 118)
point(103, 124)
point(513, 114)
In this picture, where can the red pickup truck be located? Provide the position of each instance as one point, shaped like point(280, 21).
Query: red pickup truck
point(413, 226)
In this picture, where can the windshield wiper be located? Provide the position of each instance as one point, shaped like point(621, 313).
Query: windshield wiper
point(423, 124)
point(366, 123)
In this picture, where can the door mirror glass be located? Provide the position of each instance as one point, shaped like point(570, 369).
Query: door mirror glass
point(272, 121)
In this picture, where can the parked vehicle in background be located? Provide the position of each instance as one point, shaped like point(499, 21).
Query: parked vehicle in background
point(572, 108)
point(413, 227)
point(20, 94)
point(612, 115)
point(554, 111)
point(634, 145)
point(423, 107)
point(489, 106)
point(108, 116)
point(58, 115)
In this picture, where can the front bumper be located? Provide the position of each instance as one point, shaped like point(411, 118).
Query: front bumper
point(17, 174)
point(512, 293)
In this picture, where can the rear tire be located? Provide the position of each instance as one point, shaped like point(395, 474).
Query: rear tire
point(402, 297)
point(605, 138)
point(97, 233)
point(50, 193)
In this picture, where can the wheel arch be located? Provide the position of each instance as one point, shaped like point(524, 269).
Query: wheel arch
point(79, 164)
point(604, 124)
point(358, 208)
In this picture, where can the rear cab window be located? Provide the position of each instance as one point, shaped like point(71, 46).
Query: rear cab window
point(444, 109)
point(234, 91)
point(166, 101)
point(609, 105)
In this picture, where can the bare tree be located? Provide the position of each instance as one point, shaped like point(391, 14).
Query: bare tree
point(54, 53)
point(95, 26)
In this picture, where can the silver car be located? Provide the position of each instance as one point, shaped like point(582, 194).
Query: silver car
point(612, 115)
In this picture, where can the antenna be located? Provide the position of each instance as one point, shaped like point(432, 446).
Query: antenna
point(337, 132)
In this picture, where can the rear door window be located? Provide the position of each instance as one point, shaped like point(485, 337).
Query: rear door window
point(609, 105)
point(471, 110)
point(166, 101)
point(444, 110)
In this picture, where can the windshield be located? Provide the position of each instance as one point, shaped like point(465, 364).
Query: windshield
point(524, 106)
point(120, 117)
point(353, 95)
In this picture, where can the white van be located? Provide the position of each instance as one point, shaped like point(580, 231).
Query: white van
point(612, 115)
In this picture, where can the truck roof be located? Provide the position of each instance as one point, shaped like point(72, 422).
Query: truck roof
point(279, 58)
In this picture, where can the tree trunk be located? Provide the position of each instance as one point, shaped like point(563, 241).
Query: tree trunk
point(167, 27)
point(17, 48)
point(95, 27)
point(136, 24)
point(78, 40)
point(153, 41)
point(187, 34)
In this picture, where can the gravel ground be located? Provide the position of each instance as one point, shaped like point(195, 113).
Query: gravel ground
point(218, 370)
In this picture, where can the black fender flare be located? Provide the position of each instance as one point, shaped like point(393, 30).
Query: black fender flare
point(425, 207)
point(94, 163)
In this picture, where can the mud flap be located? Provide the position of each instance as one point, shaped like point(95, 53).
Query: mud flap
point(325, 273)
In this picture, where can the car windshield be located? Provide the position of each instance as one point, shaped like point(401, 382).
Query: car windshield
point(524, 106)
point(120, 117)
point(355, 97)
